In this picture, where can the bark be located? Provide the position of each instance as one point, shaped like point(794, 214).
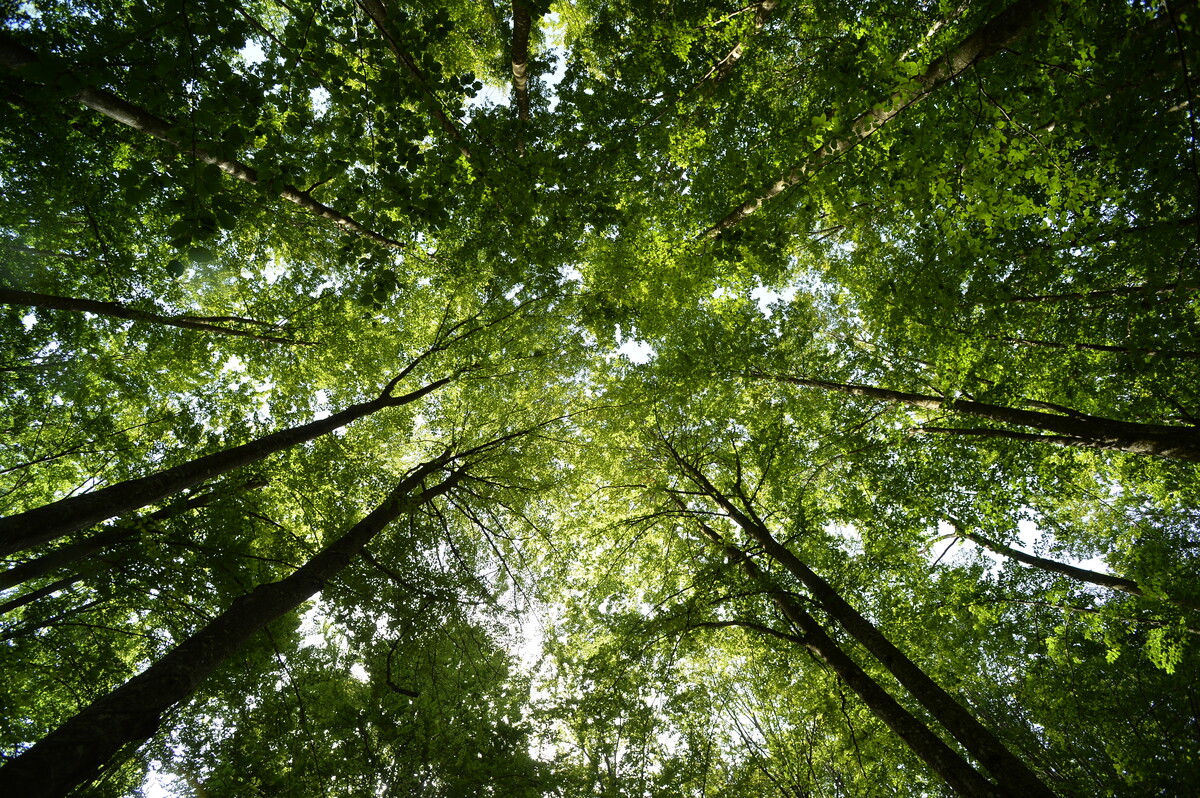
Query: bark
point(942, 759)
point(1014, 776)
point(520, 58)
point(40, 593)
point(1184, 354)
point(375, 10)
point(726, 64)
point(11, 296)
point(73, 753)
point(1109, 581)
point(52, 521)
point(1184, 291)
point(1074, 429)
point(52, 561)
point(17, 57)
point(1011, 24)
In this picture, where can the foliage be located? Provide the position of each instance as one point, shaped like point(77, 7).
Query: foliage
point(352, 191)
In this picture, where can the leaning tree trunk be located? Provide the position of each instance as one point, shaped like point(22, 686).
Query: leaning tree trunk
point(52, 521)
point(1075, 429)
point(17, 57)
point(112, 536)
point(378, 14)
point(12, 296)
point(941, 758)
point(73, 753)
point(1109, 581)
point(1008, 26)
point(1009, 770)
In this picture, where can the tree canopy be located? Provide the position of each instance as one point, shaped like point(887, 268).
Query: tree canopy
point(599, 398)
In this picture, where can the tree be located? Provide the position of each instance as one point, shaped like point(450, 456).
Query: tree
point(702, 322)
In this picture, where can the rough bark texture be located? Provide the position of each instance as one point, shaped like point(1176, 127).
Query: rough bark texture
point(52, 521)
point(1076, 429)
point(11, 296)
point(942, 759)
point(1003, 30)
point(1013, 775)
point(76, 750)
point(17, 57)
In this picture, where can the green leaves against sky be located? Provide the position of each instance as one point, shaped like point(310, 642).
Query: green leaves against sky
point(904, 293)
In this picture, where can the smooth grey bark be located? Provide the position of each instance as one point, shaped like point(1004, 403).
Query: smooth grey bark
point(1009, 25)
point(17, 57)
point(1010, 771)
point(1072, 429)
point(943, 760)
point(52, 521)
point(12, 296)
point(73, 753)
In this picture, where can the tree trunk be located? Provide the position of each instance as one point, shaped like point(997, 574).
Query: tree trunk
point(1109, 581)
point(1013, 775)
point(942, 759)
point(1075, 429)
point(52, 521)
point(726, 64)
point(520, 59)
point(40, 593)
point(1008, 26)
point(73, 753)
point(51, 561)
point(377, 13)
point(17, 57)
point(11, 296)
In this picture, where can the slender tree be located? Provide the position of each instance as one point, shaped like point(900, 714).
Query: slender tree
point(52, 521)
point(1071, 428)
point(1005, 28)
point(118, 310)
point(72, 754)
point(19, 58)
point(1009, 770)
point(942, 759)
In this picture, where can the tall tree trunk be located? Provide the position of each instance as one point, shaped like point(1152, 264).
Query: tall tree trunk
point(522, 21)
point(40, 593)
point(1074, 429)
point(12, 296)
point(721, 71)
point(17, 57)
point(375, 10)
point(113, 536)
point(72, 753)
point(942, 759)
point(1010, 771)
point(1008, 26)
point(1109, 581)
point(52, 521)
